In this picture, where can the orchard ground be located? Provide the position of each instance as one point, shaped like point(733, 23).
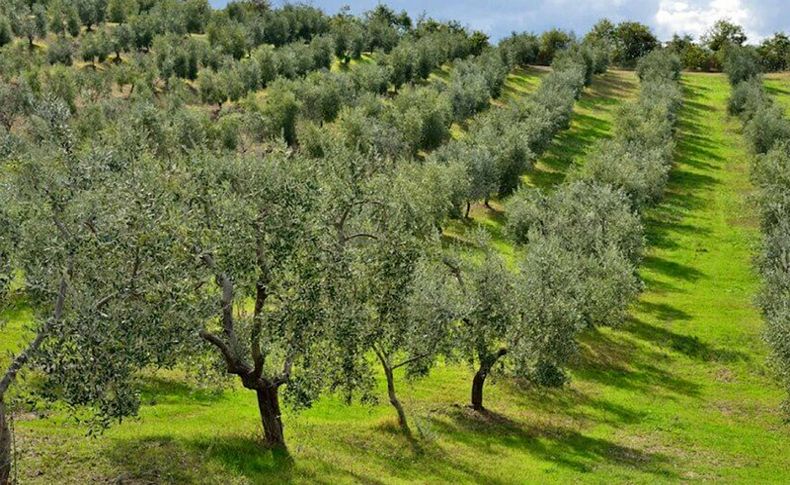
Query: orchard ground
point(682, 392)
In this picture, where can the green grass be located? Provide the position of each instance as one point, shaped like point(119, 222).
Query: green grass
point(778, 85)
point(680, 393)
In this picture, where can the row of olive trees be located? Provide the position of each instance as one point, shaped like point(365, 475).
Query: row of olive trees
point(767, 130)
point(503, 143)
point(224, 236)
point(589, 230)
point(419, 305)
point(638, 159)
point(234, 31)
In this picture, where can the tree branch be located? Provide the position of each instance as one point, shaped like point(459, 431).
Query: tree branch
point(235, 366)
point(409, 361)
point(286, 373)
point(362, 234)
point(261, 295)
point(43, 332)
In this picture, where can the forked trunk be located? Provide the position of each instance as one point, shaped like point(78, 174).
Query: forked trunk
point(5, 447)
point(404, 425)
point(269, 407)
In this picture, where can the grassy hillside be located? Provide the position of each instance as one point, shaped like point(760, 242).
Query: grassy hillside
point(681, 393)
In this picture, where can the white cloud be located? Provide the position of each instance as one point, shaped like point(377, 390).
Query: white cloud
point(683, 17)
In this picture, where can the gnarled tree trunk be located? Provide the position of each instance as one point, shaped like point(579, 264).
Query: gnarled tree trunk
point(479, 380)
point(5, 446)
point(271, 419)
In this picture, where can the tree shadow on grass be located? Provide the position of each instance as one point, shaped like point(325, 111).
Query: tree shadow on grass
point(774, 90)
point(156, 389)
point(689, 345)
point(165, 459)
point(672, 269)
point(615, 361)
point(563, 446)
point(572, 403)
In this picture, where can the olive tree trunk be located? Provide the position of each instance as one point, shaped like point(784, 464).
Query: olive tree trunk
point(479, 380)
point(271, 418)
point(5, 446)
point(404, 425)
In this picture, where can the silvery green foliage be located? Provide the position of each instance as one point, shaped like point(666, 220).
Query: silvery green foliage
point(771, 173)
point(774, 298)
point(506, 136)
point(15, 101)
point(251, 227)
point(587, 215)
point(574, 58)
point(641, 174)
point(551, 311)
point(421, 116)
point(638, 159)
point(741, 63)
point(584, 242)
point(468, 93)
point(368, 134)
point(519, 49)
point(380, 222)
point(491, 308)
point(659, 64)
point(767, 127)
point(504, 142)
point(94, 252)
point(596, 225)
point(480, 167)
point(747, 97)
point(768, 131)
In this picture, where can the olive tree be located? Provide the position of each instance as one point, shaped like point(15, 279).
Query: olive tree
point(597, 225)
point(212, 87)
point(770, 172)
point(15, 100)
point(250, 224)
point(490, 314)
point(29, 22)
point(397, 300)
point(480, 171)
point(741, 63)
point(91, 247)
point(91, 12)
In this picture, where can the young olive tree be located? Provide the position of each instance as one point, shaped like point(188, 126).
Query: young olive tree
point(489, 315)
point(29, 22)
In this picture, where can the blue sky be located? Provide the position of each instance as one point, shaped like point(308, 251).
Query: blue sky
point(761, 18)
